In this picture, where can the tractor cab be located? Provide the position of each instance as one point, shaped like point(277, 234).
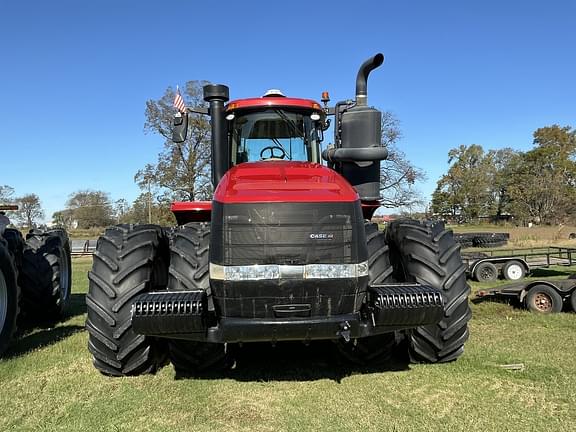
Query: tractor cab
point(274, 127)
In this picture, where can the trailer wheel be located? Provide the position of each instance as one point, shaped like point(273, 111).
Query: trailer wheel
point(425, 252)
point(129, 260)
point(543, 299)
point(486, 272)
point(9, 294)
point(513, 270)
point(372, 350)
point(189, 271)
point(45, 276)
point(573, 300)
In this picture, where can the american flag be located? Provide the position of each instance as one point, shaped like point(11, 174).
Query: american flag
point(179, 102)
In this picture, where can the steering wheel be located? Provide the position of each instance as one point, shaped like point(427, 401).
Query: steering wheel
point(272, 154)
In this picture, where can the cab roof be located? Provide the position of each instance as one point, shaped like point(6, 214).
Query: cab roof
point(273, 102)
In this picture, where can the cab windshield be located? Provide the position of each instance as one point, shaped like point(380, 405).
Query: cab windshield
point(274, 134)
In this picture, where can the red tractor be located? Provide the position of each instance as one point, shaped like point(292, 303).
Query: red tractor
point(285, 251)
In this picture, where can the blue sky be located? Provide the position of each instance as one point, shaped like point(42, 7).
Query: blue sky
point(75, 76)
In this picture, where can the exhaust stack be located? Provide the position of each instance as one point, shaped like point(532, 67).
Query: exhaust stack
point(217, 95)
point(357, 137)
point(362, 78)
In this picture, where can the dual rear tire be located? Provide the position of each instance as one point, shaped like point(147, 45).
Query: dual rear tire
point(133, 259)
point(129, 260)
point(423, 252)
point(189, 271)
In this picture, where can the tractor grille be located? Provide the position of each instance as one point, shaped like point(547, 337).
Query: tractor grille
point(291, 234)
point(287, 233)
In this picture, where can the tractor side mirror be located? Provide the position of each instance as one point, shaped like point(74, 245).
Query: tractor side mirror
point(180, 130)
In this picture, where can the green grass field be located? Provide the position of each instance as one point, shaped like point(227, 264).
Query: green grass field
point(47, 383)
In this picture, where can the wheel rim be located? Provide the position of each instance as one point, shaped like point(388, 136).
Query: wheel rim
point(3, 300)
point(487, 273)
point(514, 272)
point(64, 275)
point(543, 302)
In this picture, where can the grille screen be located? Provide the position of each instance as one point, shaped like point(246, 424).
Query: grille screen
point(287, 233)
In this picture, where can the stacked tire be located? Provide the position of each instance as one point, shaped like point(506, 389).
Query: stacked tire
point(482, 240)
point(490, 240)
point(46, 275)
point(35, 279)
point(9, 295)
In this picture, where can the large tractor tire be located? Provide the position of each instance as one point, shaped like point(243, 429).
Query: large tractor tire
point(9, 295)
point(373, 350)
point(16, 244)
point(129, 260)
point(425, 252)
point(189, 270)
point(46, 275)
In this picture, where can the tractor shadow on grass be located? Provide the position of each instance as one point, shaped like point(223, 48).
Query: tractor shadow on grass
point(38, 339)
point(36, 333)
point(294, 361)
point(76, 306)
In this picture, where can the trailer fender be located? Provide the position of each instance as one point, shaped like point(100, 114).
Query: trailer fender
point(527, 288)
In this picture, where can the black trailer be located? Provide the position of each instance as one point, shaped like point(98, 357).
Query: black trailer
point(515, 264)
point(541, 296)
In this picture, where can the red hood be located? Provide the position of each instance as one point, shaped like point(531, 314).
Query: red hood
point(281, 181)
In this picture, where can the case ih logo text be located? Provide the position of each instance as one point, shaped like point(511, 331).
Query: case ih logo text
point(322, 236)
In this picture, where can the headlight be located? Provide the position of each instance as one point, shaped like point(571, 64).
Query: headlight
point(256, 272)
point(330, 271)
point(274, 271)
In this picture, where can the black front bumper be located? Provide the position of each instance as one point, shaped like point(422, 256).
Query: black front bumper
point(184, 315)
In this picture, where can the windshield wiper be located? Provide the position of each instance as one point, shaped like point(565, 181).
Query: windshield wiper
point(291, 123)
point(279, 144)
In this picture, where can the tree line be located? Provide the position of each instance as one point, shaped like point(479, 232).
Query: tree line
point(536, 186)
point(87, 209)
point(533, 186)
point(29, 206)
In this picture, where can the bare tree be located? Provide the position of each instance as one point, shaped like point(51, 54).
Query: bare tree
point(29, 210)
point(183, 169)
point(398, 176)
point(6, 193)
point(91, 208)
